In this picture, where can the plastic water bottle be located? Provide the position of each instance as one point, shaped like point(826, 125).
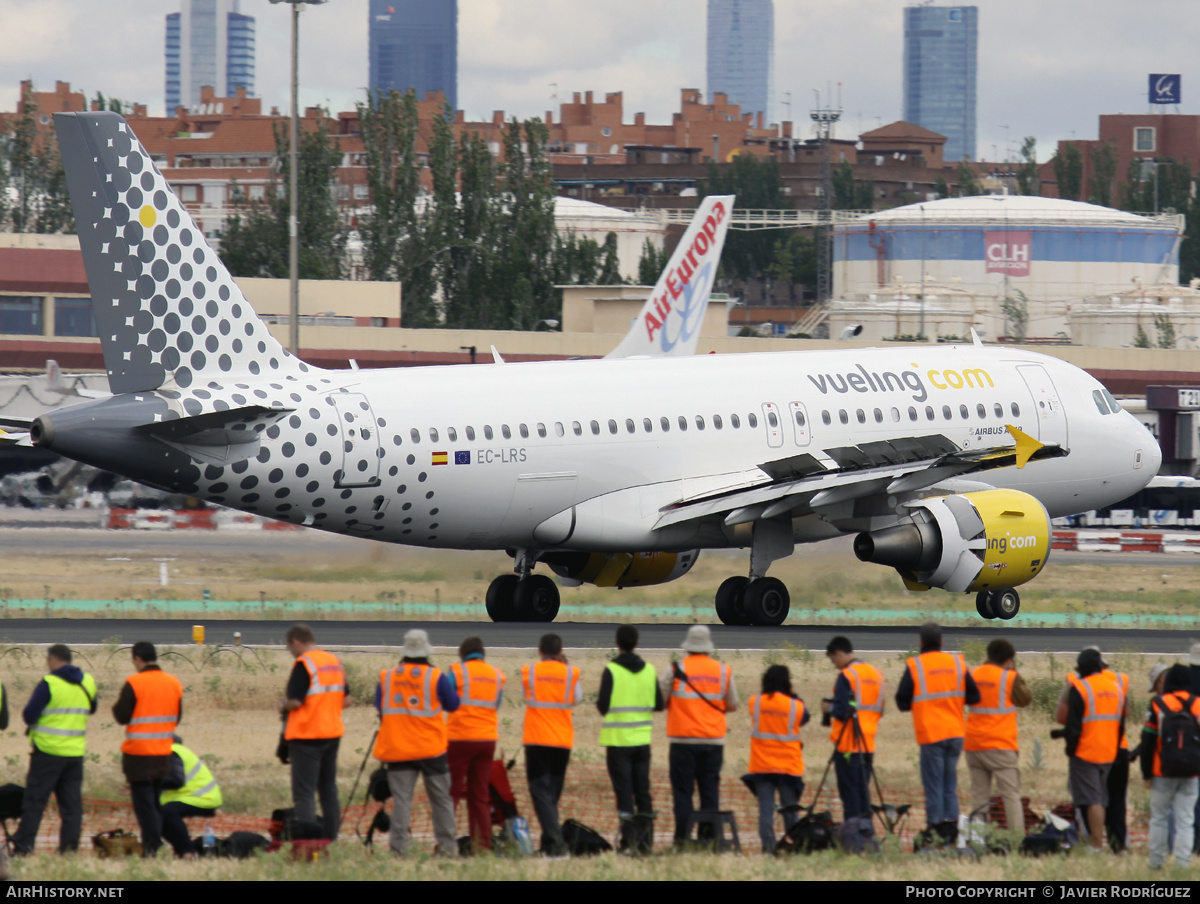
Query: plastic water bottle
point(209, 840)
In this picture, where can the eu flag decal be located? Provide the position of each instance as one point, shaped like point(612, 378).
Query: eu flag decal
point(462, 458)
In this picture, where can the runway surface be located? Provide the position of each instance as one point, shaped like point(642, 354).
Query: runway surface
point(578, 635)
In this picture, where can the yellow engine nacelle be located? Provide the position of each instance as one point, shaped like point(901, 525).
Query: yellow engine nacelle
point(620, 569)
point(969, 542)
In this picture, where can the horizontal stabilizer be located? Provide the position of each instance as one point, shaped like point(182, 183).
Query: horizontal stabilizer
point(217, 428)
point(16, 423)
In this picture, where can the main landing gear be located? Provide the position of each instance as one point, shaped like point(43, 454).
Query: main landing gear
point(1004, 603)
point(763, 601)
point(523, 597)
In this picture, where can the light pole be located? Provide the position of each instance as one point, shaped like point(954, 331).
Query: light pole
point(294, 186)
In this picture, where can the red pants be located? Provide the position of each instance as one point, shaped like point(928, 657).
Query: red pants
point(470, 777)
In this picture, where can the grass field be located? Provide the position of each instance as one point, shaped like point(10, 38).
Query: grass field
point(230, 720)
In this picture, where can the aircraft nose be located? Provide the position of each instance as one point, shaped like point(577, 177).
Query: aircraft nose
point(1146, 451)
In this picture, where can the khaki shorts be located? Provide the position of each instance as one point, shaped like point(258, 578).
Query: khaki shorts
point(1088, 782)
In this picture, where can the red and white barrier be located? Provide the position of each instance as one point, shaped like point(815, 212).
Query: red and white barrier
point(191, 519)
point(1126, 541)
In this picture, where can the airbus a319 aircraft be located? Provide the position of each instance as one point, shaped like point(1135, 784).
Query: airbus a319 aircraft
point(947, 462)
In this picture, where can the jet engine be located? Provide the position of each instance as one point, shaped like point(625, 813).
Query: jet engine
point(970, 542)
point(620, 569)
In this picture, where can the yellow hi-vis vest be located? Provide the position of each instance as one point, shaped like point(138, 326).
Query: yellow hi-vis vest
point(628, 722)
point(61, 729)
point(199, 787)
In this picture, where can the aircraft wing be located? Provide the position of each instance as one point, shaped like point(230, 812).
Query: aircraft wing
point(809, 482)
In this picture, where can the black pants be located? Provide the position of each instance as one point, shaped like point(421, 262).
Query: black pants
point(175, 830)
point(1114, 813)
point(692, 766)
point(314, 772)
point(62, 776)
point(854, 782)
point(149, 813)
point(629, 771)
point(546, 769)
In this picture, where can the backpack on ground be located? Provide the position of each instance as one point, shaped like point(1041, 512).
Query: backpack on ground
point(581, 840)
point(1179, 735)
point(285, 826)
point(811, 832)
point(1054, 836)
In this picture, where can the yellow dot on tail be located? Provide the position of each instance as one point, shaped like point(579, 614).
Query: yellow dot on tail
point(146, 216)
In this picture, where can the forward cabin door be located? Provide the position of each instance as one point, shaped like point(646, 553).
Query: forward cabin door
point(1051, 418)
point(360, 441)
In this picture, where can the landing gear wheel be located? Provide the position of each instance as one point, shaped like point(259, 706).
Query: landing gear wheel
point(500, 598)
point(729, 605)
point(1006, 603)
point(536, 599)
point(983, 604)
point(767, 602)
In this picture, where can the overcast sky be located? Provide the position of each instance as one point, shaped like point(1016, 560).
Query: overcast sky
point(1047, 68)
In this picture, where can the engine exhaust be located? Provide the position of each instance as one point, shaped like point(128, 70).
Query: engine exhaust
point(915, 546)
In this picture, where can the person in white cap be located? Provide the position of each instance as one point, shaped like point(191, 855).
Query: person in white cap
point(699, 692)
point(413, 740)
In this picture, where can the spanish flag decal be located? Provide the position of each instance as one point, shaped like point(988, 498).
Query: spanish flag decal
point(440, 458)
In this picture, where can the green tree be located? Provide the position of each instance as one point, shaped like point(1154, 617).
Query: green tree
point(1104, 171)
point(1028, 182)
point(36, 197)
point(940, 188)
point(968, 181)
point(1068, 171)
point(1165, 329)
point(795, 261)
point(758, 186)
point(610, 268)
point(652, 263)
point(1016, 316)
point(1140, 339)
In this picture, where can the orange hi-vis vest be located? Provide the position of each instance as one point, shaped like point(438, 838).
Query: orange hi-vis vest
point(1103, 704)
point(867, 686)
point(1122, 681)
point(157, 696)
point(320, 716)
point(479, 685)
point(939, 695)
point(992, 722)
point(775, 745)
point(549, 697)
point(689, 716)
point(1174, 702)
point(413, 726)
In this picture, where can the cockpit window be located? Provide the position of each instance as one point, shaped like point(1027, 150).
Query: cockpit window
point(1101, 402)
point(1112, 403)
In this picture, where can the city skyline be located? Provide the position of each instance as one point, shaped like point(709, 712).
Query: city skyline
point(941, 65)
point(740, 54)
point(1040, 73)
point(208, 42)
point(414, 44)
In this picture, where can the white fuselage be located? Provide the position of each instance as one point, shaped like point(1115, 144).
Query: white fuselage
point(614, 442)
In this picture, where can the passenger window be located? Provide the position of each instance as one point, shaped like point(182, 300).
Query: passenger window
point(912, 413)
point(964, 412)
point(998, 408)
point(878, 416)
point(630, 427)
point(700, 422)
point(735, 422)
point(541, 429)
point(505, 432)
point(895, 415)
point(717, 422)
point(471, 434)
point(577, 428)
point(799, 418)
point(1016, 409)
point(433, 435)
point(947, 413)
point(595, 425)
point(752, 419)
point(981, 411)
point(772, 419)
point(452, 434)
point(487, 431)
point(665, 423)
point(929, 413)
point(558, 429)
point(843, 416)
point(682, 422)
point(612, 426)
point(825, 418)
point(861, 415)
point(415, 434)
point(647, 425)
point(524, 431)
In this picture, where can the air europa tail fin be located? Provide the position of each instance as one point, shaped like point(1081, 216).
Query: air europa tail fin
point(669, 323)
point(166, 308)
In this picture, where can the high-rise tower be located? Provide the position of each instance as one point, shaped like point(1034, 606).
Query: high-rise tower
point(940, 64)
point(741, 53)
point(414, 44)
point(209, 42)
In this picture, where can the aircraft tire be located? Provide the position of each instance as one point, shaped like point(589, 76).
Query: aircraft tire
point(767, 602)
point(729, 601)
point(983, 604)
point(499, 600)
point(1006, 603)
point(536, 599)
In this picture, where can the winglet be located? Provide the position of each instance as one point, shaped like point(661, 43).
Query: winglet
point(670, 320)
point(1026, 444)
point(975, 340)
point(496, 359)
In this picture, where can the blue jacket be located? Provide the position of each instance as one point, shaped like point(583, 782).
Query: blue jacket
point(40, 698)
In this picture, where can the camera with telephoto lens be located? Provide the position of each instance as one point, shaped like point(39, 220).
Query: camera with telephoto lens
point(827, 718)
point(1058, 733)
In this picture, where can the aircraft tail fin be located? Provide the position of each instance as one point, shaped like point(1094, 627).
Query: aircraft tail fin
point(669, 323)
point(167, 310)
